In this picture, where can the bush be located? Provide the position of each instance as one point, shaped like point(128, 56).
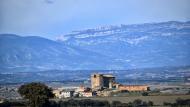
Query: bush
point(116, 104)
point(137, 102)
point(179, 102)
point(150, 103)
point(12, 104)
point(145, 94)
point(84, 103)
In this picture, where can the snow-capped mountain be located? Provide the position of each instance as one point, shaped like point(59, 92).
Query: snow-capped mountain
point(137, 46)
point(109, 47)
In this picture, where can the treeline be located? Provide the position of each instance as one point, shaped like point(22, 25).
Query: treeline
point(98, 103)
point(85, 103)
point(179, 103)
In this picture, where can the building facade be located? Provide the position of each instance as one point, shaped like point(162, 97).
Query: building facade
point(57, 93)
point(67, 94)
point(86, 94)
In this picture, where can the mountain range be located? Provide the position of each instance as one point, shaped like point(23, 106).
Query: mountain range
point(118, 47)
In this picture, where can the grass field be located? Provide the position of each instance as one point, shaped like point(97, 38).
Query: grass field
point(158, 100)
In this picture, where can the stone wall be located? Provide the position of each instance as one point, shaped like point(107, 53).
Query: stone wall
point(133, 87)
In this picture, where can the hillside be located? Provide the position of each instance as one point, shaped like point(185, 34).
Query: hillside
point(137, 46)
point(35, 53)
point(120, 47)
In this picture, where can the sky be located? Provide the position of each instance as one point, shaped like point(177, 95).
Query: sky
point(51, 18)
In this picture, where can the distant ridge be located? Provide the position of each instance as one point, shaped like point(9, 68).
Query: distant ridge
point(108, 48)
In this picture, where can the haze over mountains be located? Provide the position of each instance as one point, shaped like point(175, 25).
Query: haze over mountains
point(110, 47)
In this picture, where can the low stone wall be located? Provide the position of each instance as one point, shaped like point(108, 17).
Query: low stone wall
point(133, 87)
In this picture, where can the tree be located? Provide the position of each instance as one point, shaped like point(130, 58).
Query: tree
point(150, 103)
point(38, 94)
point(137, 102)
point(116, 104)
point(145, 94)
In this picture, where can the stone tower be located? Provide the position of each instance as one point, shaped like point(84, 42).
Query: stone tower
point(96, 81)
point(102, 80)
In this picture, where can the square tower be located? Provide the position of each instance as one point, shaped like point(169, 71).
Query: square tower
point(96, 81)
point(102, 81)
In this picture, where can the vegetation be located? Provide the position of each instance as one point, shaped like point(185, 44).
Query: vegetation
point(12, 104)
point(179, 103)
point(87, 103)
point(135, 103)
point(98, 103)
point(145, 94)
point(38, 94)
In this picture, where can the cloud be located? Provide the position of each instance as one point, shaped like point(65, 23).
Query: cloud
point(49, 1)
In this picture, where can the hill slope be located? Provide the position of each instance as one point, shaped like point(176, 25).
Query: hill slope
point(137, 46)
point(111, 47)
point(35, 53)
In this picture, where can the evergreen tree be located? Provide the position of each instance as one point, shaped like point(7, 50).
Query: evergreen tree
point(38, 94)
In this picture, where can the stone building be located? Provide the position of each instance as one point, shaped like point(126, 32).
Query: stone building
point(99, 81)
point(86, 94)
point(102, 81)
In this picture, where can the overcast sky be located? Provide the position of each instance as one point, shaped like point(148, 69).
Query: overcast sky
point(51, 18)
